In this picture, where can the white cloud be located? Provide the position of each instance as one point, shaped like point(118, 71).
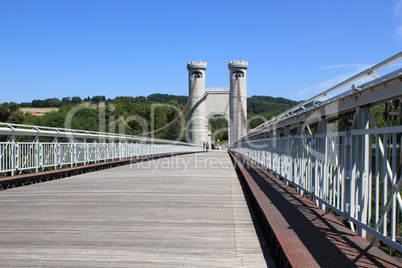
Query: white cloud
point(353, 65)
point(303, 90)
point(398, 32)
point(398, 7)
point(318, 88)
point(398, 13)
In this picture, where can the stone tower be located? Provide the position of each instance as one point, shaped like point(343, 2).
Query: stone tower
point(238, 71)
point(198, 128)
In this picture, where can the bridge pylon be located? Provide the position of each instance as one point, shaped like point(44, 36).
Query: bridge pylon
point(238, 104)
point(198, 125)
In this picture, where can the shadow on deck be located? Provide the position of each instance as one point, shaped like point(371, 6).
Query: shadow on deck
point(297, 232)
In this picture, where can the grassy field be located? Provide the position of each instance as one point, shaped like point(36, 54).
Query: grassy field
point(39, 111)
point(44, 109)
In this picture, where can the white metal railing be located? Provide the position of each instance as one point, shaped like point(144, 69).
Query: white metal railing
point(315, 100)
point(68, 147)
point(356, 172)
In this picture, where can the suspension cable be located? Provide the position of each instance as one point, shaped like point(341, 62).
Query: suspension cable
point(177, 117)
point(243, 117)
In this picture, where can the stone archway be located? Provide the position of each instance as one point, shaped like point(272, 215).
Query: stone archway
point(218, 128)
point(230, 103)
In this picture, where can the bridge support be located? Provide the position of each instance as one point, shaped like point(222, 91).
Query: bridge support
point(238, 104)
point(231, 104)
point(198, 126)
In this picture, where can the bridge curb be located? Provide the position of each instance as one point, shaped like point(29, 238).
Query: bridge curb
point(272, 241)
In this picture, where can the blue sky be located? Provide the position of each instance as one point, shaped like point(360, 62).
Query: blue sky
point(295, 48)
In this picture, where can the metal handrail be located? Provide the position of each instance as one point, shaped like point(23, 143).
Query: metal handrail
point(351, 170)
point(31, 130)
point(369, 71)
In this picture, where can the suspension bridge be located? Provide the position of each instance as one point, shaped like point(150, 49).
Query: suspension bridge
point(316, 186)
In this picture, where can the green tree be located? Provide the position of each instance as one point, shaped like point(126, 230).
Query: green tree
point(265, 104)
point(129, 114)
point(256, 120)
point(76, 100)
point(53, 102)
point(17, 117)
point(4, 113)
point(66, 100)
point(13, 107)
point(98, 99)
point(122, 102)
point(219, 127)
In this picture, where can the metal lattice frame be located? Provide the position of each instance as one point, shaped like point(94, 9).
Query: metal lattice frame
point(356, 173)
point(77, 148)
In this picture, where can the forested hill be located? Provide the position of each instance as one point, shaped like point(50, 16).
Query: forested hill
point(266, 104)
point(127, 114)
point(55, 102)
point(255, 104)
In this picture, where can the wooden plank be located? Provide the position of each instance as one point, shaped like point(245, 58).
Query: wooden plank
point(179, 211)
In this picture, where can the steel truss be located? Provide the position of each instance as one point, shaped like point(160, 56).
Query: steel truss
point(355, 172)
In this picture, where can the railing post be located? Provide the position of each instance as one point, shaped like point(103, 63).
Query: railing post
point(105, 150)
point(14, 155)
point(322, 160)
point(55, 151)
point(299, 159)
point(84, 151)
point(75, 154)
point(37, 153)
point(363, 168)
point(348, 192)
point(286, 156)
point(264, 148)
point(277, 148)
point(95, 143)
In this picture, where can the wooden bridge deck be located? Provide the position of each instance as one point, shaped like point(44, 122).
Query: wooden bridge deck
point(169, 212)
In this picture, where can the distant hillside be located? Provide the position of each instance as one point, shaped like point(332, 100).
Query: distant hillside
point(55, 102)
point(255, 104)
point(124, 113)
point(266, 104)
